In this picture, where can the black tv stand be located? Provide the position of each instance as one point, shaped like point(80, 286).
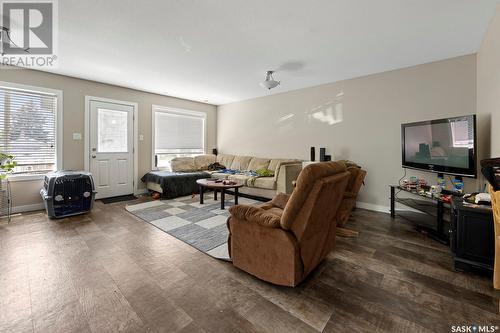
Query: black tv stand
point(434, 214)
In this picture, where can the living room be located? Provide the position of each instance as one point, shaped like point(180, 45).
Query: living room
point(199, 119)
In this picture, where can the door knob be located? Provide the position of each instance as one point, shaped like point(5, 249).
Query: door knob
point(94, 156)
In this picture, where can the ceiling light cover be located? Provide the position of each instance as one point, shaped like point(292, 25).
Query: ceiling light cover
point(269, 83)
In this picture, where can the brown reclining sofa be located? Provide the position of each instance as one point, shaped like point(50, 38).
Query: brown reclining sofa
point(283, 240)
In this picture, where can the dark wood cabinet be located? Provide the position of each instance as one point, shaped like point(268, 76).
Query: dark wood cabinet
point(472, 238)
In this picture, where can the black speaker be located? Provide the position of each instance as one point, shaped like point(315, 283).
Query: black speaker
point(313, 154)
point(214, 151)
point(322, 153)
point(328, 158)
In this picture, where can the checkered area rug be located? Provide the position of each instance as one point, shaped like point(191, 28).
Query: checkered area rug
point(202, 226)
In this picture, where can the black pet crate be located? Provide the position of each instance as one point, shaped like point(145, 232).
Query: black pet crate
point(67, 193)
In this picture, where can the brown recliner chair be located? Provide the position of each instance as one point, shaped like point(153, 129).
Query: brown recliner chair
point(356, 178)
point(283, 240)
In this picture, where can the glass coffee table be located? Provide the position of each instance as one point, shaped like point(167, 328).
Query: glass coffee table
point(218, 186)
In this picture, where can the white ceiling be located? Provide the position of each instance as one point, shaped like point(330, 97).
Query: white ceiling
point(218, 51)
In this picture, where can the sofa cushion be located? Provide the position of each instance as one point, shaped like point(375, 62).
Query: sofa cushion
point(182, 164)
point(258, 192)
point(225, 159)
point(201, 162)
point(263, 182)
point(258, 163)
point(242, 179)
point(240, 163)
point(219, 175)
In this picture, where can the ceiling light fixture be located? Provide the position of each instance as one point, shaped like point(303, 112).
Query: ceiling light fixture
point(269, 83)
point(5, 38)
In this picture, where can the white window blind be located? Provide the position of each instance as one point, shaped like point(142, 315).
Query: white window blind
point(28, 129)
point(177, 134)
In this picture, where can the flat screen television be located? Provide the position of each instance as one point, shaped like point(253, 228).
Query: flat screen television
point(442, 146)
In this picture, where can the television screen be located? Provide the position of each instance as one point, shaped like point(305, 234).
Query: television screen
point(443, 145)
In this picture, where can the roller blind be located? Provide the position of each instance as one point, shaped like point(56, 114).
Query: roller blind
point(28, 129)
point(178, 133)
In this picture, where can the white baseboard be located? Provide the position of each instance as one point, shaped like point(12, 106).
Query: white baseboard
point(27, 208)
point(41, 206)
point(374, 207)
point(141, 191)
point(384, 209)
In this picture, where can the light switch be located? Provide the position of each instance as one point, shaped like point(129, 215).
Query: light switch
point(77, 136)
point(141, 137)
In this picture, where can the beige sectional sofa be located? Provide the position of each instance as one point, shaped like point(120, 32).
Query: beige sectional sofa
point(285, 172)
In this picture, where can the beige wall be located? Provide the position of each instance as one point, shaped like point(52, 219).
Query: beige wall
point(488, 83)
point(74, 92)
point(356, 119)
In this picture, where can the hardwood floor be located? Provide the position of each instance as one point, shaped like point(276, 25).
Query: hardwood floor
point(109, 271)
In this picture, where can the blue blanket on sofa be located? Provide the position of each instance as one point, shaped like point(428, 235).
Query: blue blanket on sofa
point(175, 184)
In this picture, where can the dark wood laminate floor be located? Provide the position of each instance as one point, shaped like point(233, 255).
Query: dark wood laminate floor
point(109, 271)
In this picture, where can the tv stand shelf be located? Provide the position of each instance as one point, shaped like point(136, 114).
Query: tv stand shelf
point(433, 216)
point(421, 205)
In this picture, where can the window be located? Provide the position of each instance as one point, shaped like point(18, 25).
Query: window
point(462, 132)
point(112, 134)
point(28, 127)
point(177, 133)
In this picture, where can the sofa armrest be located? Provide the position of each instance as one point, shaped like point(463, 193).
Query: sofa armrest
point(255, 215)
point(179, 164)
point(286, 175)
point(271, 254)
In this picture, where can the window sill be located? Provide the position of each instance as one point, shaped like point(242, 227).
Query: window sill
point(24, 178)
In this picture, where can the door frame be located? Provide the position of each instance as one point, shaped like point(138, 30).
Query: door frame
point(135, 117)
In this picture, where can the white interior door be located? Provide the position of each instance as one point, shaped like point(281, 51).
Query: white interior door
point(111, 155)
